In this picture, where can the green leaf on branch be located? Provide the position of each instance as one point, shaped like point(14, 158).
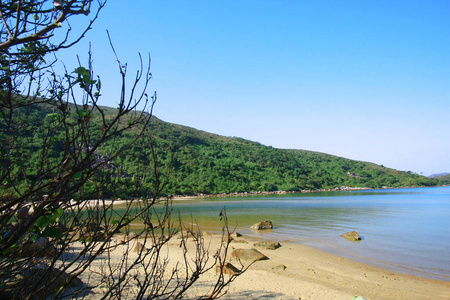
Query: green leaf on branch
point(52, 232)
point(84, 76)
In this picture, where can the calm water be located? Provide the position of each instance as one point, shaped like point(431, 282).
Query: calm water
point(406, 230)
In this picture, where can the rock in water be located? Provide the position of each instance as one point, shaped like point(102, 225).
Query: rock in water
point(352, 236)
point(262, 225)
point(248, 254)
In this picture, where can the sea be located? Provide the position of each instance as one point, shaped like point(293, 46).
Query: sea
point(403, 230)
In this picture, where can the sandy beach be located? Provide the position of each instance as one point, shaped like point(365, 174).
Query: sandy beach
point(308, 274)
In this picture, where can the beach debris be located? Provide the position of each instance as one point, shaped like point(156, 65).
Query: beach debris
point(358, 298)
point(248, 254)
point(228, 269)
point(352, 236)
point(262, 225)
point(267, 245)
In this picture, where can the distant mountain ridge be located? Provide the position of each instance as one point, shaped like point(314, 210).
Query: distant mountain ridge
point(440, 174)
point(443, 178)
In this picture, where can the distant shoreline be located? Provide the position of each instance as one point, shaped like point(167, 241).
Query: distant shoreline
point(238, 194)
point(120, 201)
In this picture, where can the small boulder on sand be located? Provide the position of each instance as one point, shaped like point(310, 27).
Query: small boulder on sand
point(248, 254)
point(279, 268)
point(227, 269)
point(267, 245)
point(262, 225)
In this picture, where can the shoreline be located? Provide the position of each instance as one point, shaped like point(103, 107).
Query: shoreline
point(336, 189)
point(352, 256)
point(120, 201)
point(240, 194)
point(378, 263)
point(296, 271)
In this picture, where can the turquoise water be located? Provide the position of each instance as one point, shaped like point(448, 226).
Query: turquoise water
point(405, 230)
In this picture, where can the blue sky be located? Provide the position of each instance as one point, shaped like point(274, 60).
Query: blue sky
point(366, 80)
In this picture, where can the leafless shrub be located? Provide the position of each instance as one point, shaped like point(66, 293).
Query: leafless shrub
point(59, 149)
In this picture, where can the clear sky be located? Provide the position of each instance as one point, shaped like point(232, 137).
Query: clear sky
point(366, 80)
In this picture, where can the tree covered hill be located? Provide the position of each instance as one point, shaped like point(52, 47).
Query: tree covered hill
point(209, 163)
point(200, 162)
point(443, 178)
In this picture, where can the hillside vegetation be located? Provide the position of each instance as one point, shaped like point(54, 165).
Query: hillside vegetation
point(443, 179)
point(201, 162)
point(209, 163)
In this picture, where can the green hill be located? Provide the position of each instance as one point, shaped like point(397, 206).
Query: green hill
point(443, 179)
point(201, 162)
point(209, 163)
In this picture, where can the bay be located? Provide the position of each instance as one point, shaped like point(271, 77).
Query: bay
point(404, 230)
